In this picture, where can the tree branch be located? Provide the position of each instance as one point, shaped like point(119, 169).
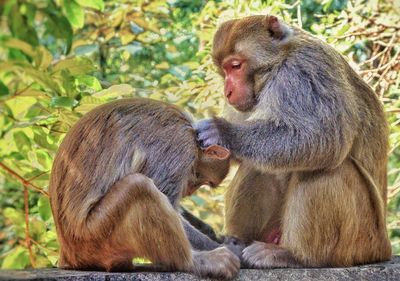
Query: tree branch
point(27, 235)
point(25, 182)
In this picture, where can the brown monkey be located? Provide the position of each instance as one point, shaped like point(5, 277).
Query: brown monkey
point(312, 139)
point(116, 183)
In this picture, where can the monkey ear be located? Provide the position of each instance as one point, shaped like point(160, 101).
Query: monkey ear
point(217, 152)
point(277, 29)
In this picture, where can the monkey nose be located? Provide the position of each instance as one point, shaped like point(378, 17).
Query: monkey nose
point(229, 94)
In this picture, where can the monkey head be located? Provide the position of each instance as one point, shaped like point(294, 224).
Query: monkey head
point(245, 51)
point(211, 168)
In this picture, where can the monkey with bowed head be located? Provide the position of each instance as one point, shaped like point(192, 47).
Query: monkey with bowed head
point(312, 142)
point(115, 187)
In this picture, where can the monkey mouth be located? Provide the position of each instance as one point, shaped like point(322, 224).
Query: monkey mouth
point(242, 107)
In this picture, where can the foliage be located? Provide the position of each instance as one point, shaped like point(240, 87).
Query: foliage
point(61, 58)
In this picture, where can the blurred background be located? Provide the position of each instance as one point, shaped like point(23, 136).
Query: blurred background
point(61, 58)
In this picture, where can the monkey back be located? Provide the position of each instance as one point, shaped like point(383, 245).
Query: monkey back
point(125, 136)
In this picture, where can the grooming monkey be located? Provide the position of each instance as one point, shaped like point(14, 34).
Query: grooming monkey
point(116, 183)
point(312, 139)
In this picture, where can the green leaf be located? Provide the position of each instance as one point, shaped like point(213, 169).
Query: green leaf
point(58, 26)
point(343, 30)
point(22, 140)
point(75, 66)
point(41, 140)
point(20, 45)
point(37, 228)
point(44, 159)
point(3, 89)
point(20, 27)
point(15, 216)
point(63, 102)
point(95, 4)
point(88, 81)
point(44, 208)
point(43, 58)
point(18, 258)
point(86, 49)
point(116, 91)
point(43, 78)
point(74, 13)
point(88, 103)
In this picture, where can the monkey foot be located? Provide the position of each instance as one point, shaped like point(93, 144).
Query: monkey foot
point(219, 263)
point(262, 255)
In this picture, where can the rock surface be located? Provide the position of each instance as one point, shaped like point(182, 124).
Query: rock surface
point(389, 271)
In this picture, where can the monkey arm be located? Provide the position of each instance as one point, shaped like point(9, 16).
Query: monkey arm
point(280, 145)
point(199, 224)
point(198, 240)
point(299, 145)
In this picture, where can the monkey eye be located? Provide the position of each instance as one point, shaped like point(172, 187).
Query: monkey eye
point(236, 65)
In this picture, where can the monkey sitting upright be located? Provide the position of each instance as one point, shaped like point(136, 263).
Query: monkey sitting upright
point(116, 183)
point(312, 139)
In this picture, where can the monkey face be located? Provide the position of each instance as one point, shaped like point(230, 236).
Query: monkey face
point(244, 51)
point(211, 168)
point(238, 89)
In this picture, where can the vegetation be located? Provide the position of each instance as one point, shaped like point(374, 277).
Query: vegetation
point(61, 58)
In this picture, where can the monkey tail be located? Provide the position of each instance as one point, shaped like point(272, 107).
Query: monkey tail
point(374, 193)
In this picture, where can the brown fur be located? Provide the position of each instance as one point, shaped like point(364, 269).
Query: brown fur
point(313, 151)
point(116, 182)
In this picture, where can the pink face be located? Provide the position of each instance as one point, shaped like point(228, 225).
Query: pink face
point(238, 89)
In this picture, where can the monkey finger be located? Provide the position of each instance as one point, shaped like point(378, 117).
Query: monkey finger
point(210, 134)
point(210, 141)
point(203, 124)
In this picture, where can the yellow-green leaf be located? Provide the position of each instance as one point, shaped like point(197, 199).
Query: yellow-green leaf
point(95, 4)
point(20, 45)
point(74, 13)
point(75, 66)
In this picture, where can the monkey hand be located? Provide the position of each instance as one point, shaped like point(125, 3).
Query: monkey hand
point(208, 133)
point(235, 245)
point(219, 263)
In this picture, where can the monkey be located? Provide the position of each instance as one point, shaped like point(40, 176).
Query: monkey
point(201, 225)
point(311, 140)
point(115, 187)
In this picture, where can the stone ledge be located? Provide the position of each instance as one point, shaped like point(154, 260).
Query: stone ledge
point(389, 271)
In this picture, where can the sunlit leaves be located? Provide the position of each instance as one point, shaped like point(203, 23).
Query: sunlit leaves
point(60, 59)
point(75, 65)
point(3, 89)
point(58, 26)
point(17, 258)
point(63, 102)
point(95, 4)
point(74, 13)
point(20, 45)
point(20, 28)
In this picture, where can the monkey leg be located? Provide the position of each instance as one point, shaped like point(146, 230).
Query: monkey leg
point(133, 219)
point(330, 219)
point(253, 204)
point(153, 229)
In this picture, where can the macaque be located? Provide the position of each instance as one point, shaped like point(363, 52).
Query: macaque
point(312, 141)
point(115, 188)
